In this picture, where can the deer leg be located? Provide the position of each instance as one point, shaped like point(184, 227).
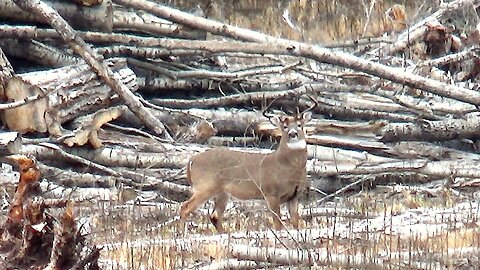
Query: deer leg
point(293, 211)
point(192, 204)
point(217, 215)
point(274, 206)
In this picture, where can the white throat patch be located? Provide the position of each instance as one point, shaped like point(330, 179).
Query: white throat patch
point(300, 144)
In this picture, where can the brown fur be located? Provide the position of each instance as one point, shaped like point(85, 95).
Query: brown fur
point(277, 177)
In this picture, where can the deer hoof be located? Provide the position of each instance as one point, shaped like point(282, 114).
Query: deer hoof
point(216, 222)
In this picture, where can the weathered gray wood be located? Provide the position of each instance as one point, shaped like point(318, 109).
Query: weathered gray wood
point(10, 142)
point(99, 17)
point(66, 93)
point(95, 62)
point(444, 130)
point(316, 53)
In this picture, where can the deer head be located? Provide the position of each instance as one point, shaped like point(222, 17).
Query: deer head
point(293, 136)
point(277, 177)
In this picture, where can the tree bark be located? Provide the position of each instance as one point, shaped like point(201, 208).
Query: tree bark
point(99, 17)
point(444, 130)
point(310, 51)
point(62, 94)
point(68, 34)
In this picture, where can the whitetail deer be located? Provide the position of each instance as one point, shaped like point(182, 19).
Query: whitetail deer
point(277, 177)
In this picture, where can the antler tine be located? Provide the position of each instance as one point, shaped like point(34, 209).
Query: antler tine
point(264, 111)
point(315, 104)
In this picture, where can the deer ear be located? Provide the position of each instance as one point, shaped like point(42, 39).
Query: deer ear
point(307, 116)
point(275, 120)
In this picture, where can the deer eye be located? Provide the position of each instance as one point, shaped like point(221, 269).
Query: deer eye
point(285, 126)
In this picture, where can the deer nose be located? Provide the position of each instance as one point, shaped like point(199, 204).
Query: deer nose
point(292, 134)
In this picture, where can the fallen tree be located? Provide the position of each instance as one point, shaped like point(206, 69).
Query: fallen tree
point(167, 90)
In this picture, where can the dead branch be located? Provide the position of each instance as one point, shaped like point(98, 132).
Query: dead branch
point(10, 142)
point(87, 126)
point(70, 157)
point(131, 21)
point(327, 56)
point(294, 257)
point(63, 93)
point(247, 98)
point(444, 168)
point(312, 52)
point(68, 34)
point(234, 264)
point(453, 58)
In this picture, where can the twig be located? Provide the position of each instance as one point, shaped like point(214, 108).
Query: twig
point(19, 103)
point(345, 188)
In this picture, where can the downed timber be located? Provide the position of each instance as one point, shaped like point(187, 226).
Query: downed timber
point(99, 17)
point(87, 185)
point(111, 156)
point(67, 178)
point(37, 52)
point(313, 52)
point(234, 264)
point(10, 142)
point(225, 122)
point(95, 61)
point(298, 256)
point(443, 168)
point(176, 156)
point(6, 72)
point(326, 106)
point(443, 130)
point(63, 94)
point(86, 127)
point(241, 123)
point(283, 47)
point(118, 159)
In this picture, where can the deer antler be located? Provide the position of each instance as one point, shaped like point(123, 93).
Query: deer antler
point(264, 111)
point(315, 104)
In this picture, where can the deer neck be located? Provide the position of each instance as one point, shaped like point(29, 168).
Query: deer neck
point(292, 151)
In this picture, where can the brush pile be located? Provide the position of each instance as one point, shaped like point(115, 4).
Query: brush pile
point(128, 90)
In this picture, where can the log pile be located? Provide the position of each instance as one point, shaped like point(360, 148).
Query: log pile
point(134, 88)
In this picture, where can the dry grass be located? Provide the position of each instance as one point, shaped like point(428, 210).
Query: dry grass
point(407, 229)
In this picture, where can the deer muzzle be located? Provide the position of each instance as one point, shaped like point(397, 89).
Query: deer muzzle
point(292, 134)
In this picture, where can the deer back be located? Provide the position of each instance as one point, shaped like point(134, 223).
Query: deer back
point(226, 170)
